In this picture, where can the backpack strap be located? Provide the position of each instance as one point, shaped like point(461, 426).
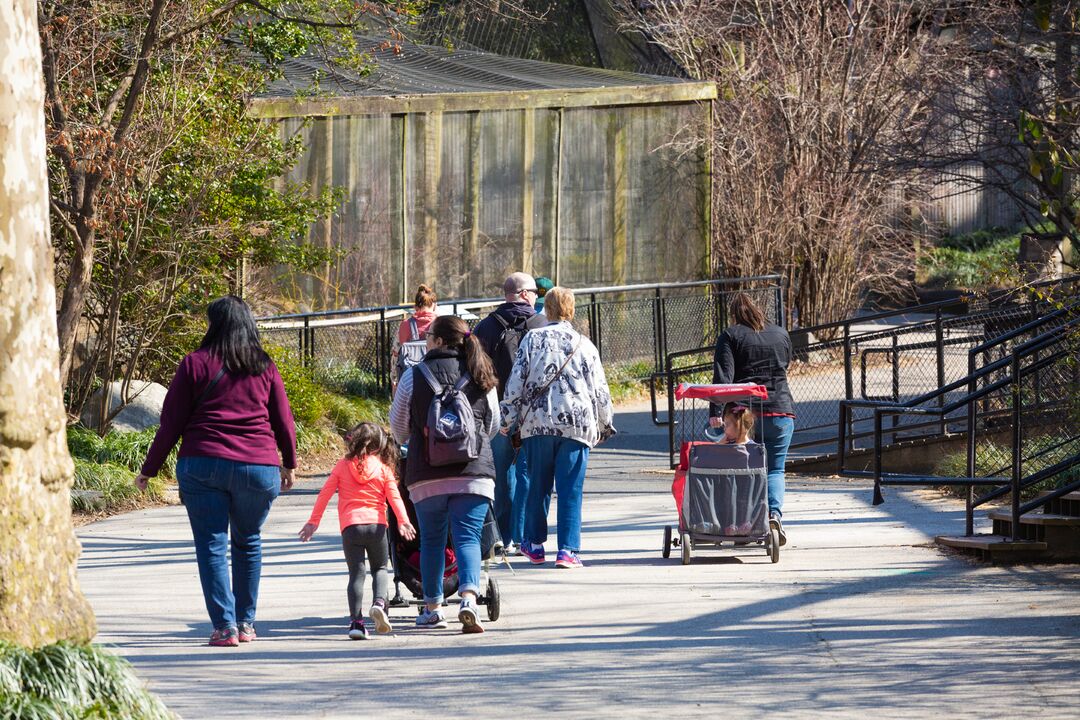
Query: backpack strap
point(502, 321)
point(429, 377)
point(414, 331)
point(462, 381)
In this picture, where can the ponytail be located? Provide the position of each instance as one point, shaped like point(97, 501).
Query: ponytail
point(479, 364)
point(455, 334)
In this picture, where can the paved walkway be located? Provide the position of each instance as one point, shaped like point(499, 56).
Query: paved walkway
point(862, 615)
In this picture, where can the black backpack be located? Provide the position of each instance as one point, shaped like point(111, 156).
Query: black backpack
point(450, 434)
point(506, 348)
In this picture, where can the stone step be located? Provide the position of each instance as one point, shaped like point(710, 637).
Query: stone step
point(993, 545)
point(1036, 518)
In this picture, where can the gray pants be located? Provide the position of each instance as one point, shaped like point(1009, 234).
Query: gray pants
point(357, 540)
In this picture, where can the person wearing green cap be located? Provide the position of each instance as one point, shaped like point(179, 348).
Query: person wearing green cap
point(543, 284)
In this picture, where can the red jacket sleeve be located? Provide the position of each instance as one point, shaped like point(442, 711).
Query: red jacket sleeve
point(328, 489)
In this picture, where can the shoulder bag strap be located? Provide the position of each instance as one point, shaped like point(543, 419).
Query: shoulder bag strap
point(552, 379)
point(462, 381)
point(207, 389)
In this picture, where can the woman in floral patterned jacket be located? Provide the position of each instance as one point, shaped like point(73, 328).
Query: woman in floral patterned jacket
point(557, 398)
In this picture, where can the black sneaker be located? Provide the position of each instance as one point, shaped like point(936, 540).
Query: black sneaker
point(357, 631)
point(774, 521)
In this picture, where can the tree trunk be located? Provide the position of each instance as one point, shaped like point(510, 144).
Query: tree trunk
point(40, 600)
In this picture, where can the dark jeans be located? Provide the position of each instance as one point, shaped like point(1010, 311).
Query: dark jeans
point(775, 434)
point(511, 489)
point(356, 541)
point(228, 500)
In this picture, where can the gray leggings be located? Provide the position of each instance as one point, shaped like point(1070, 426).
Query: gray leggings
point(356, 540)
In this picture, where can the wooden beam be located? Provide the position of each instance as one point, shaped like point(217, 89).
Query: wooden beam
point(471, 260)
point(528, 157)
point(279, 107)
point(620, 188)
point(432, 173)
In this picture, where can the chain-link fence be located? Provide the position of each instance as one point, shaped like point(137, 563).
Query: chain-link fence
point(634, 328)
point(895, 357)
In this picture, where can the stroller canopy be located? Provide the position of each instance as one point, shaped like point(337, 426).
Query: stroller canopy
point(722, 393)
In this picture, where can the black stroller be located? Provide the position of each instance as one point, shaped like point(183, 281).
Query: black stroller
point(405, 556)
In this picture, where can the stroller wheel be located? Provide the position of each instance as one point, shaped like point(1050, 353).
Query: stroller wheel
point(772, 546)
point(494, 602)
point(686, 548)
point(666, 549)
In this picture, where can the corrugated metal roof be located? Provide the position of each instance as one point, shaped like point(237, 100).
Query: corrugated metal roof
point(410, 72)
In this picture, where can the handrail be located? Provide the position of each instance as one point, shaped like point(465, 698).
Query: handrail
point(455, 302)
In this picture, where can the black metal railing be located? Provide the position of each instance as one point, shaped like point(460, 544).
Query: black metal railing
point(928, 347)
point(1020, 414)
point(634, 327)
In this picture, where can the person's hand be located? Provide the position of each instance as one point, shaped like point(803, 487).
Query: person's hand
point(288, 476)
point(505, 430)
point(407, 530)
point(716, 422)
point(307, 531)
point(141, 481)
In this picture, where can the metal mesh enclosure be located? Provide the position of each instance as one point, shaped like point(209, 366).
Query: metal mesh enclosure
point(457, 168)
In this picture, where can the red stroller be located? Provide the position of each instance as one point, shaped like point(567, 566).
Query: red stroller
point(721, 491)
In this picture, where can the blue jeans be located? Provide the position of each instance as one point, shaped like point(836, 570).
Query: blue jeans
point(511, 489)
point(228, 500)
point(559, 462)
point(775, 434)
point(465, 515)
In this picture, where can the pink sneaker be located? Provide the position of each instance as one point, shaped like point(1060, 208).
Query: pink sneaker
point(247, 633)
point(534, 552)
point(225, 637)
point(568, 559)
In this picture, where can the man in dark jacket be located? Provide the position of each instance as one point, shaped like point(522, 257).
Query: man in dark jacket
point(500, 333)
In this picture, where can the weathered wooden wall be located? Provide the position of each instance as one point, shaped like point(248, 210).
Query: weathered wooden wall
point(587, 196)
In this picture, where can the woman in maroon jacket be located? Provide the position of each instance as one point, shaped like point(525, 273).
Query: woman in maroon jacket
point(228, 403)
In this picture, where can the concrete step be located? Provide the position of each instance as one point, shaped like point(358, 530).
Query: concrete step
point(995, 548)
point(1036, 518)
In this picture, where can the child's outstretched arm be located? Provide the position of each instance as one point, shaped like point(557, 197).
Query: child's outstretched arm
point(328, 489)
point(393, 496)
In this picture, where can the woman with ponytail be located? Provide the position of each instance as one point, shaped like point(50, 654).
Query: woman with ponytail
point(455, 496)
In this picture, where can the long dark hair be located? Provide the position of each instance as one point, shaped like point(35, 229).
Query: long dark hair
point(455, 335)
point(371, 439)
point(233, 338)
point(746, 312)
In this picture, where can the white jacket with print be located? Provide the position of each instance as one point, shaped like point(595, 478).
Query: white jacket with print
point(576, 405)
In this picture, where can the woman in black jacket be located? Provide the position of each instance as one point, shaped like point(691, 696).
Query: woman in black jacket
point(755, 351)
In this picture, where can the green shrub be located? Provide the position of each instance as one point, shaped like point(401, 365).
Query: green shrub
point(306, 397)
point(951, 267)
point(316, 439)
point(127, 449)
point(350, 379)
point(1039, 453)
point(114, 482)
point(345, 412)
point(68, 680)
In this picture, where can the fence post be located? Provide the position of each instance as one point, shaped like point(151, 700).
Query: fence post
point(781, 318)
point(848, 388)
point(658, 349)
point(594, 325)
point(382, 354)
point(895, 422)
point(972, 428)
point(1017, 438)
point(305, 342)
point(939, 340)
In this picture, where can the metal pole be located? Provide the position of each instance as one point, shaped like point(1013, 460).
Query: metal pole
point(939, 339)
point(848, 388)
point(972, 429)
point(878, 497)
point(658, 350)
point(1017, 460)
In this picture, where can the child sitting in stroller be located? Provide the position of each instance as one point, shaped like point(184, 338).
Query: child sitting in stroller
point(738, 423)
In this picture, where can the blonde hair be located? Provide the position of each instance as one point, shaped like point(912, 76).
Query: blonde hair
point(559, 304)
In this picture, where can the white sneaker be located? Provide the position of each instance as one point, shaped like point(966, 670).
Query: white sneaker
point(469, 618)
point(431, 619)
point(513, 550)
point(382, 621)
